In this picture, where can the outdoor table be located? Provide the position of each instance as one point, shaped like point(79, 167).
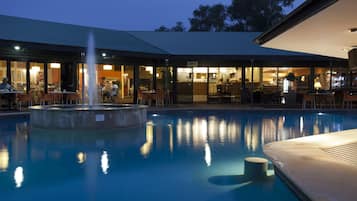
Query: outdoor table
point(10, 96)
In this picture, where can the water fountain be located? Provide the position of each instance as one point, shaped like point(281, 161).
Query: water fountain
point(89, 115)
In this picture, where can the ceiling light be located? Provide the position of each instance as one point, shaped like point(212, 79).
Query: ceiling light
point(55, 65)
point(17, 47)
point(107, 67)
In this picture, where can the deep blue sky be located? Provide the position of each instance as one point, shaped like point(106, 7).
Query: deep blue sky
point(113, 14)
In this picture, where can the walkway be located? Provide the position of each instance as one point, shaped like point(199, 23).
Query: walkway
point(322, 167)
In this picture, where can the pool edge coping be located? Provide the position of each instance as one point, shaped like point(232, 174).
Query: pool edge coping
point(289, 165)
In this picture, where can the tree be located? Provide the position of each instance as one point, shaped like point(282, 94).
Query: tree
point(257, 15)
point(179, 27)
point(209, 18)
point(241, 15)
point(162, 28)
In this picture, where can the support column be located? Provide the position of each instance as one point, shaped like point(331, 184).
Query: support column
point(252, 82)
point(312, 77)
point(174, 85)
point(331, 75)
point(8, 70)
point(122, 85)
point(83, 83)
point(154, 70)
point(243, 90)
point(28, 77)
point(46, 77)
point(136, 82)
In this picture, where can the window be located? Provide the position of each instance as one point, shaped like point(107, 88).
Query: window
point(54, 77)
point(18, 75)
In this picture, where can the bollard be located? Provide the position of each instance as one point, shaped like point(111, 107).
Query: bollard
point(255, 167)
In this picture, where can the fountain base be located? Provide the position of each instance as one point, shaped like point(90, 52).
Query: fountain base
point(105, 116)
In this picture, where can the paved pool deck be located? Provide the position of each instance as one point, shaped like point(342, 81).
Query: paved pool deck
point(318, 168)
point(246, 107)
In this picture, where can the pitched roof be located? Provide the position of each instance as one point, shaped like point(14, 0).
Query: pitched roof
point(149, 42)
point(37, 31)
point(208, 43)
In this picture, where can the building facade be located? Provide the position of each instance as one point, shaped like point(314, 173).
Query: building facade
point(191, 67)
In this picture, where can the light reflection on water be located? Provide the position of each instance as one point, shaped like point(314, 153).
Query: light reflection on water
point(174, 148)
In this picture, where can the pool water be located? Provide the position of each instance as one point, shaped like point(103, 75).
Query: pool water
point(180, 155)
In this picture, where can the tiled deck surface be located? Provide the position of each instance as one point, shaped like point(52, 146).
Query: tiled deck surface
point(322, 167)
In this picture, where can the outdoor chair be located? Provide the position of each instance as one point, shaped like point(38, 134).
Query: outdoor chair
point(308, 99)
point(73, 98)
point(160, 98)
point(23, 99)
point(45, 98)
point(348, 100)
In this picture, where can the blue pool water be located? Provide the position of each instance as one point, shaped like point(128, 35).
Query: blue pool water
point(185, 155)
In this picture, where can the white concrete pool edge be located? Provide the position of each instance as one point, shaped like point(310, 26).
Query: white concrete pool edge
point(306, 164)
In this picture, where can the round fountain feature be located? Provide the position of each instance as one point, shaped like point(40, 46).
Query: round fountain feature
point(105, 116)
point(90, 115)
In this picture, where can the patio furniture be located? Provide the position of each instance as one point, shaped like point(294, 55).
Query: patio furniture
point(326, 99)
point(23, 99)
point(308, 99)
point(348, 99)
point(9, 97)
point(160, 98)
point(72, 98)
point(149, 96)
point(45, 98)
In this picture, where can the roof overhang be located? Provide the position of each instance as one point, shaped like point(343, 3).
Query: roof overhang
point(320, 27)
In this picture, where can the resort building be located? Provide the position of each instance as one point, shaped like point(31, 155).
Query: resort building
point(42, 58)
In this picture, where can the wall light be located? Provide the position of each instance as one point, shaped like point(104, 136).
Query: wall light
point(107, 67)
point(104, 54)
point(17, 47)
point(55, 65)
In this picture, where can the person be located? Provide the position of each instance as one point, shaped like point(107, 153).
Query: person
point(106, 91)
point(115, 88)
point(6, 87)
point(5, 84)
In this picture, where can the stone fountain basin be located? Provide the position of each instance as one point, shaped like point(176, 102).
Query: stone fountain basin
point(101, 116)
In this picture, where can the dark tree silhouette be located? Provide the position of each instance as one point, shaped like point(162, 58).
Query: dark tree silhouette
point(257, 15)
point(209, 18)
point(162, 28)
point(241, 15)
point(179, 27)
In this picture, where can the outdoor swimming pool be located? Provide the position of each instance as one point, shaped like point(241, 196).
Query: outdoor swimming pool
point(179, 155)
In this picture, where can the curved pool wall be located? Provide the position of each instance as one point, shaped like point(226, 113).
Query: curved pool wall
point(105, 116)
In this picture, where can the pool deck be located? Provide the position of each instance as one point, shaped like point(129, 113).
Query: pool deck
point(318, 168)
point(173, 107)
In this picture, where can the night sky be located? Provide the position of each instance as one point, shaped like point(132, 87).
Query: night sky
point(113, 14)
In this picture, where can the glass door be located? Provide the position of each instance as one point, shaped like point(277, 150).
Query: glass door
point(200, 84)
point(184, 85)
